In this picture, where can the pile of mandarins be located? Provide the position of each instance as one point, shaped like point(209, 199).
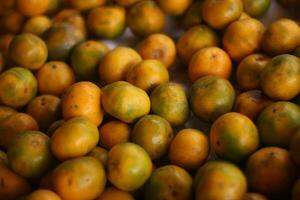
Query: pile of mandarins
point(195, 100)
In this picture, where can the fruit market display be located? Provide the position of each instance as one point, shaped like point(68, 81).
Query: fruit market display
point(149, 100)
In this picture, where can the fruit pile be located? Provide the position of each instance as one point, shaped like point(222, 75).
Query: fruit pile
point(80, 120)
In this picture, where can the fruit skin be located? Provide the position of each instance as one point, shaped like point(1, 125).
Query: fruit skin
point(211, 97)
point(295, 147)
point(125, 101)
point(280, 79)
point(112, 68)
point(37, 25)
point(85, 5)
point(234, 137)
point(193, 16)
point(154, 134)
point(54, 78)
point(271, 162)
point(220, 180)
point(170, 102)
point(30, 155)
point(107, 21)
point(250, 30)
point(189, 149)
point(55, 125)
point(251, 103)
point(219, 14)
point(210, 61)
point(114, 132)
point(11, 22)
point(160, 47)
point(74, 138)
point(145, 18)
point(111, 193)
point(17, 87)
point(254, 196)
point(256, 8)
point(278, 122)
point(249, 70)
point(297, 52)
point(32, 7)
point(70, 17)
point(128, 167)
point(174, 7)
point(100, 154)
point(5, 41)
point(10, 182)
point(79, 170)
point(3, 158)
point(148, 74)
point(296, 191)
point(127, 3)
point(169, 182)
point(14, 125)
point(83, 99)
point(194, 39)
point(28, 50)
point(61, 38)
point(43, 194)
point(6, 112)
point(282, 36)
point(86, 57)
point(45, 109)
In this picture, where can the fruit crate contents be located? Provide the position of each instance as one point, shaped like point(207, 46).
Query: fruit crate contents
point(149, 100)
